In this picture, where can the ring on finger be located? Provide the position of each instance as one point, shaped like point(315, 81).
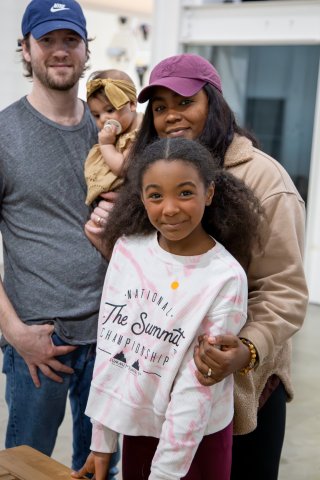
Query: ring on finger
point(99, 221)
point(209, 373)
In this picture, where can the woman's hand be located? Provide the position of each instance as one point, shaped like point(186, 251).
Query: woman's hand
point(96, 463)
point(220, 356)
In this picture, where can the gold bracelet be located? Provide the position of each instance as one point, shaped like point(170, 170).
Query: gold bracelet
point(253, 356)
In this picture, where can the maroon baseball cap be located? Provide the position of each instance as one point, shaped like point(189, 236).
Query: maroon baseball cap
point(185, 74)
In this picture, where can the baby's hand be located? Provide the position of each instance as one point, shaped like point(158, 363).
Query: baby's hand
point(108, 135)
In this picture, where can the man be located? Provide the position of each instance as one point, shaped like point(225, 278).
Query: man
point(49, 300)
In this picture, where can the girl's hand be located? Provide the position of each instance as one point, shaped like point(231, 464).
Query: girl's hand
point(108, 135)
point(96, 463)
point(223, 354)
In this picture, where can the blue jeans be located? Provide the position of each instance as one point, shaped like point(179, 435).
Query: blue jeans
point(35, 414)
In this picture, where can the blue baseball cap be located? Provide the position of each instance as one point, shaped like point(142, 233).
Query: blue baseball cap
point(44, 16)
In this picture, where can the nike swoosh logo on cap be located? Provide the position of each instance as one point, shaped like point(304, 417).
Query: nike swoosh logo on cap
point(55, 8)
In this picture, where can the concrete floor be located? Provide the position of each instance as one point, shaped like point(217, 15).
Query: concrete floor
point(300, 459)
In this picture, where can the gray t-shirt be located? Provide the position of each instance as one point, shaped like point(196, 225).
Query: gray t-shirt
point(52, 273)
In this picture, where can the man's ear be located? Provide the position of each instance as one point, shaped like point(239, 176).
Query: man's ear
point(210, 194)
point(25, 51)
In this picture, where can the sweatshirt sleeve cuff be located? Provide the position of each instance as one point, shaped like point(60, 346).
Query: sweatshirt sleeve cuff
point(103, 439)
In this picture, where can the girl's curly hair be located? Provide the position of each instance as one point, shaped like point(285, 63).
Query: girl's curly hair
point(233, 218)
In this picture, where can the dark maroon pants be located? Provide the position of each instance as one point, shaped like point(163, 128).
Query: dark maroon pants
point(212, 460)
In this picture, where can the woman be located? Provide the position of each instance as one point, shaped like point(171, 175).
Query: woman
point(185, 100)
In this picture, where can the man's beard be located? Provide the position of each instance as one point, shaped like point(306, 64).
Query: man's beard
point(54, 82)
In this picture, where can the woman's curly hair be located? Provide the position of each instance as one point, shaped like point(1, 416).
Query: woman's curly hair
point(233, 217)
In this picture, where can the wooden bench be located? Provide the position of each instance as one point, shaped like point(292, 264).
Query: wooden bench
point(26, 463)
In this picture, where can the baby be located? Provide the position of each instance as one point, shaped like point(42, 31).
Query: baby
point(112, 99)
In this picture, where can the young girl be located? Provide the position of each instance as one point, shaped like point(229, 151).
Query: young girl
point(169, 279)
point(111, 97)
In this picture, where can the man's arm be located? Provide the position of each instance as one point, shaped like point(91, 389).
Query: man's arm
point(32, 342)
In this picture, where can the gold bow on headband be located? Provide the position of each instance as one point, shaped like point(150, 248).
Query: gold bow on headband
point(118, 92)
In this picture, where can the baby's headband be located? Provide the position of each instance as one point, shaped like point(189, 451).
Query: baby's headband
point(118, 92)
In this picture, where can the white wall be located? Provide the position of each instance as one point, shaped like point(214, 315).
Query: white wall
point(13, 84)
point(313, 219)
point(106, 30)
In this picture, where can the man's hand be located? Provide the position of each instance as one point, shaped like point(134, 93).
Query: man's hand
point(223, 354)
point(96, 463)
point(99, 217)
point(34, 344)
point(95, 227)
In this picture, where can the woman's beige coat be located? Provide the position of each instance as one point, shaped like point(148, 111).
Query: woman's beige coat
point(277, 286)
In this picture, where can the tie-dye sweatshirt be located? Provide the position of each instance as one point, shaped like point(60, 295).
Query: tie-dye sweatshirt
point(154, 305)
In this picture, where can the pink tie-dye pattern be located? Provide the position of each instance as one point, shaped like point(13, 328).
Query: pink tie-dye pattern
point(98, 368)
point(135, 392)
point(189, 441)
point(130, 257)
point(144, 283)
